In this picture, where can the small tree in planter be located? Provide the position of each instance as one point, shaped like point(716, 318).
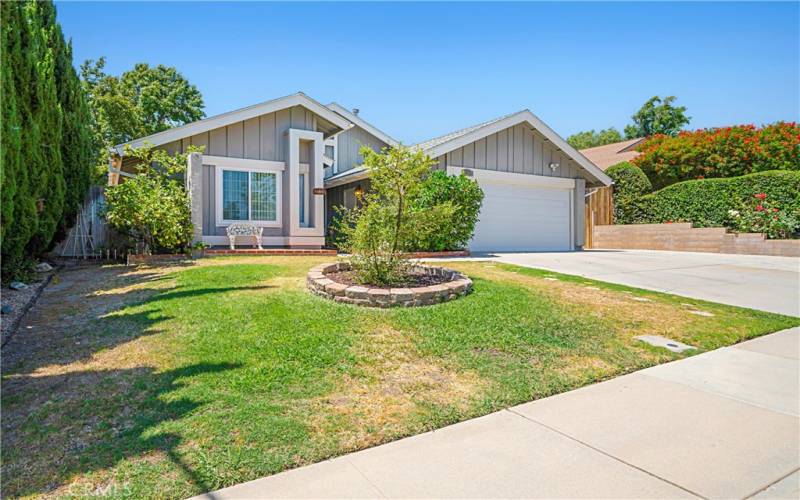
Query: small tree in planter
point(153, 207)
point(378, 233)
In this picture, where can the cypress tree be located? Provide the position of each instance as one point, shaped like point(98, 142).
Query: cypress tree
point(47, 143)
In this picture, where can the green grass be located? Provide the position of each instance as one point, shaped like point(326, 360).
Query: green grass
point(223, 372)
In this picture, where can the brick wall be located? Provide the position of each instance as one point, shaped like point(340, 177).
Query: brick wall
point(683, 237)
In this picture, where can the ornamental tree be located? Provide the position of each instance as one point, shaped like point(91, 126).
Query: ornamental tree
point(383, 228)
point(153, 208)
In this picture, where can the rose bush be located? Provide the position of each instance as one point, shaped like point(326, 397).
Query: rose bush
point(762, 215)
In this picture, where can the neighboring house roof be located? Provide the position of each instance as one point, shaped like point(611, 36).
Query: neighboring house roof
point(349, 115)
point(299, 99)
point(449, 142)
point(611, 154)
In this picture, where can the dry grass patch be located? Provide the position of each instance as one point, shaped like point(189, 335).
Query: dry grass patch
point(391, 379)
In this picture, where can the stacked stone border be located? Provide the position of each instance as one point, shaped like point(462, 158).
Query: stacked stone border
point(317, 282)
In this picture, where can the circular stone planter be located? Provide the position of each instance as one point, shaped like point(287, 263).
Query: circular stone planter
point(363, 295)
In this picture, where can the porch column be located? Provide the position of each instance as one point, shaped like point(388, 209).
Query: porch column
point(194, 186)
point(313, 234)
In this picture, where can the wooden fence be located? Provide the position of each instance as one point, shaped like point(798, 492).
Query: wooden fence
point(599, 210)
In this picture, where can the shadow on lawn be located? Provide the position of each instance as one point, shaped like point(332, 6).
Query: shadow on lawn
point(102, 417)
point(86, 311)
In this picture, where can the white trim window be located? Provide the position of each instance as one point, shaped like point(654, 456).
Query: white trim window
point(248, 194)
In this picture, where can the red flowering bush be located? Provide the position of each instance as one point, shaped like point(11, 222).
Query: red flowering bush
point(720, 152)
point(763, 216)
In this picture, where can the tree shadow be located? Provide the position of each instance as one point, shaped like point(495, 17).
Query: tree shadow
point(101, 417)
point(91, 309)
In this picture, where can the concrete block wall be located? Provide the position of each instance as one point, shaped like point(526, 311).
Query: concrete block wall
point(683, 237)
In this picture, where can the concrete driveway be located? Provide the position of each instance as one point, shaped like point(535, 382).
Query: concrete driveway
point(754, 281)
point(722, 424)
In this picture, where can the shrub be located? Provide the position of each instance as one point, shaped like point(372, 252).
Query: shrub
point(380, 231)
point(466, 197)
point(153, 207)
point(761, 215)
point(710, 202)
point(630, 184)
point(720, 152)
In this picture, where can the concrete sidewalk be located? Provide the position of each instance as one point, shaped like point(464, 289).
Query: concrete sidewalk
point(724, 424)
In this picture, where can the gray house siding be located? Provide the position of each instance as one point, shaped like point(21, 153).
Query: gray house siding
point(517, 149)
point(259, 138)
point(349, 142)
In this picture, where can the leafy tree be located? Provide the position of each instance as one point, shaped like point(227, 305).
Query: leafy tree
point(590, 138)
point(385, 226)
point(466, 197)
point(657, 116)
point(153, 207)
point(140, 102)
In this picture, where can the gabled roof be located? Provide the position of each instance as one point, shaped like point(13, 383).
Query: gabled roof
point(442, 139)
point(611, 154)
point(450, 142)
point(200, 126)
point(363, 124)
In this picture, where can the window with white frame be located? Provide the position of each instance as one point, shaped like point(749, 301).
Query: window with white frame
point(249, 195)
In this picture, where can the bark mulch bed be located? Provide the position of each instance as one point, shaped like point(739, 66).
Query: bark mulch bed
point(414, 279)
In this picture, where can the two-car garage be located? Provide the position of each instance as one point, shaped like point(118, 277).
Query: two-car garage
point(523, 213)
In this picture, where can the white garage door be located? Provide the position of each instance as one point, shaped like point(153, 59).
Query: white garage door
point(518, 218)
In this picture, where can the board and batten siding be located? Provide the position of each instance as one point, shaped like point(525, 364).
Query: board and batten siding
point(348, 144)
point(259, 138)
point(517, 149)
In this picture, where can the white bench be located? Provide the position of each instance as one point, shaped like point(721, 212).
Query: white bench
point(244, 229)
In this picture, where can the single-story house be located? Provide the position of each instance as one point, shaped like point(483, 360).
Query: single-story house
point(283, 164)
point(608, 155)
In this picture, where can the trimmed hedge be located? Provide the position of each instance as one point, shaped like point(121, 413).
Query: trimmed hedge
point(706, 202)
point(630, 184)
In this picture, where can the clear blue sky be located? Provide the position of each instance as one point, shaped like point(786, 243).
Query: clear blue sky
point(420, 70)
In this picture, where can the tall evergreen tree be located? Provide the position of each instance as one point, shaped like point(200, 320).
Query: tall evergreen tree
point(46, 136)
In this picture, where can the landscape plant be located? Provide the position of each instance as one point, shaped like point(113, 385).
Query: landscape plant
point(466, 197)
point(630, 184)
point(152, 208)
point(716, 202)
point(720, 152)
point(46, 144)
point(384, 227)
point(762, 215)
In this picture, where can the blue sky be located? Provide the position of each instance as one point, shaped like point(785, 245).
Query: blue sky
point(419, 70)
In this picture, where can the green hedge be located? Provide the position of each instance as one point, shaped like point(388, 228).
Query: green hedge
point(630, 184)
point(706, 202)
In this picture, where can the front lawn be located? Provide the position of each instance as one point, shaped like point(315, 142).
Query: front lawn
point(167, 382)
